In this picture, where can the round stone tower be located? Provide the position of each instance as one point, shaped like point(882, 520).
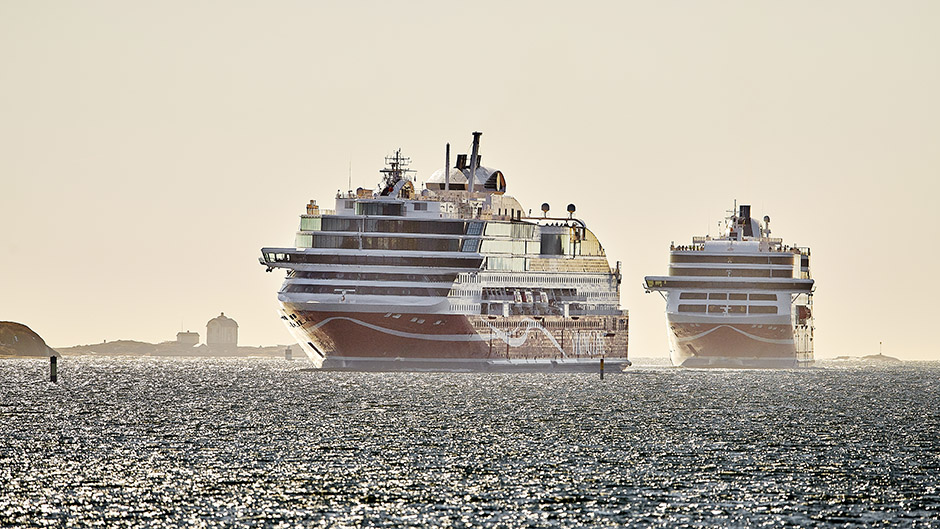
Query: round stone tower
point(222, 332)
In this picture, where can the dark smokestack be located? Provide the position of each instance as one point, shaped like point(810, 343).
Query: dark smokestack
point(447, 169)
point(744, 217)
point(474, 161)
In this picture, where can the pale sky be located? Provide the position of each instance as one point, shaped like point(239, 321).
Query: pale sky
point(148, 150)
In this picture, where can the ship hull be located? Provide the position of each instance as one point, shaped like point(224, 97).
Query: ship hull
point(714, 342)
point(399, 341)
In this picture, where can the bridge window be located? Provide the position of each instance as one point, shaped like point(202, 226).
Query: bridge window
point(693, 295)
point(762, 309)
point(388, 209)
point(763, 297)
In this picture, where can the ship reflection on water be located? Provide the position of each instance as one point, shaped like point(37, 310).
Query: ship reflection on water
point(235, 442)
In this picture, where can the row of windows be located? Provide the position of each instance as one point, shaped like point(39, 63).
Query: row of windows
point(509, 264)
point(510, 246)
point(725, 295)
point(374, 276)
point(363, 290)
point(489, 246)
point(462, 308)
point(555, 323)
point(443, 227)
point(424, 245)
point(531, 296)
point(729, 272)
point(319, 240)
point(743, 285)
point(375, 260)
point(779, 259)
point(516, 230)
point(730, 309)
point(539, 279)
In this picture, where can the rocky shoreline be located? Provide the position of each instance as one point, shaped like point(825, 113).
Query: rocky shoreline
point(135, 348)
point(18, 340)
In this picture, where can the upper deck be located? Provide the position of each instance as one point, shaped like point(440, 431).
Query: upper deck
point(462, 211)
point(744, 257)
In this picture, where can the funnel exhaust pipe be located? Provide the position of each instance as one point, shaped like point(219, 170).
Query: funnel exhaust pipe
point(447, 168)
point(473, 159)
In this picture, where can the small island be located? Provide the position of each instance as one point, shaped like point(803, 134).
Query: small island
point(878, 359)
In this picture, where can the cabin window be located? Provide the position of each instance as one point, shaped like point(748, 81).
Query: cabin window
point(498, 229)
point(762, 309)
point(471, 245)
point(332, 241)
point(504, 246)
point(717, 296)
point(691, 308)
point(310, 223)
point(729, 309)
point(693, 295)
point(737, 297)
point(763, 297)
point(421, 206)
point(339, 224)
point(303, 241)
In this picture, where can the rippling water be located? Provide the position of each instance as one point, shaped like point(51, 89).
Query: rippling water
point(195, 442)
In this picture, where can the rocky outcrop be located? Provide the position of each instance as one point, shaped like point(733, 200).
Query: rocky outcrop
point(17, 339)
point(881, 359)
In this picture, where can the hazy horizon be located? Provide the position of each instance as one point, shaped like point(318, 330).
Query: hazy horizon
point(149, 151)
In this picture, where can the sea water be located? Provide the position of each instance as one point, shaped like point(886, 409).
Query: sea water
point(129, 442)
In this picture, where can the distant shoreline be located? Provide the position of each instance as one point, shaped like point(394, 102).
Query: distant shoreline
point(174, 349)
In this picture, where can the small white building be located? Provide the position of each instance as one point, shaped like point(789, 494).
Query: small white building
point(187, 338)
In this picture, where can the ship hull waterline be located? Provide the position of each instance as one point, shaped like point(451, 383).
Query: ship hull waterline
point(367, 341)
point(733, 344)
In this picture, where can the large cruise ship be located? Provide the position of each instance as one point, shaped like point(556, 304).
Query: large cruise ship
point(457, 276)
point(740, 300)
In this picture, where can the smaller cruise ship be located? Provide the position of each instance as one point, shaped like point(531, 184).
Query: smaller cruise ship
point(740, 300)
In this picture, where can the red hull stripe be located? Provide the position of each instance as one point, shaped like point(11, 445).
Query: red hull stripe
point(514, 341)
point(785, 341)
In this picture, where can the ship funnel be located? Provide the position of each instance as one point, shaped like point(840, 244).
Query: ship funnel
point(447, 168)
point(744, 217)
point(474, 161)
